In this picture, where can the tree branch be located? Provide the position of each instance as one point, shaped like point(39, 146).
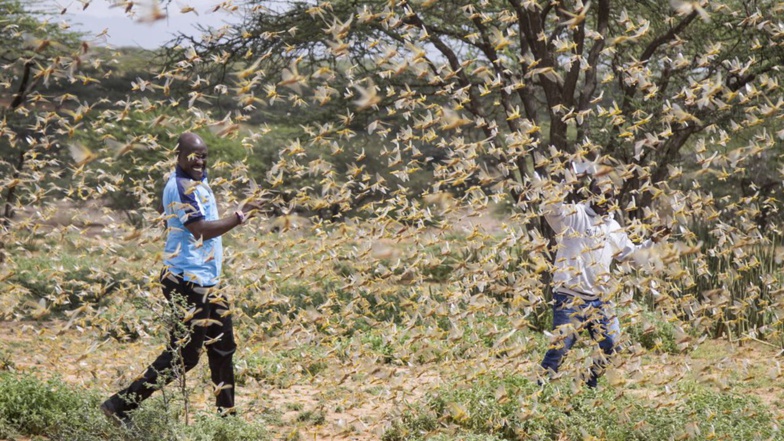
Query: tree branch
point(10, 194)
point(589, 85)
point(492, 55)
point(570, 81)
point(667, 36)
point(22, 91)
point(475, 105)
point(530, 24)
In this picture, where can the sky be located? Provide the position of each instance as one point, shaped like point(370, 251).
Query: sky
point(128, 31)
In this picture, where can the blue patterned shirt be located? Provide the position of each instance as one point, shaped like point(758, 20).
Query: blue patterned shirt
point(186, 200)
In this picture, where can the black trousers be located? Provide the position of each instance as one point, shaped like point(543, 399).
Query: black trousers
point(204, 322)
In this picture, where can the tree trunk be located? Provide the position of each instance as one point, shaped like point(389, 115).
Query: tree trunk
point(10, 195)
point(19, 97)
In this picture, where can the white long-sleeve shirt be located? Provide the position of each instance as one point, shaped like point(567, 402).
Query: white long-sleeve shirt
point(587, 245)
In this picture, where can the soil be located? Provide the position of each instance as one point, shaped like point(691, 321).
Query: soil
point(354, 400)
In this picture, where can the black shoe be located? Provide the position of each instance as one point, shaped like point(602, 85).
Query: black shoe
point(225, 413)
point(116, 415)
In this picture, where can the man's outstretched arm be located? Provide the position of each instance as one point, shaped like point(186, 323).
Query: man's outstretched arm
point(627, 248)
point(206, 230)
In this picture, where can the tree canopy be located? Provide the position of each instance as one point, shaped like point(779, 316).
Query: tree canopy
point(509, 87)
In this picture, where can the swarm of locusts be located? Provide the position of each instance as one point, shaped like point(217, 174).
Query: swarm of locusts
point(404, 152)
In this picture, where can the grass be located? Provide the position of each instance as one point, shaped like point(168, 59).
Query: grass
point(513, 408)
point(283, 368)
point(55, 275)
point(332, 336)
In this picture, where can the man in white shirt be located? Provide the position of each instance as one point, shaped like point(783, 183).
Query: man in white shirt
point(589, 239)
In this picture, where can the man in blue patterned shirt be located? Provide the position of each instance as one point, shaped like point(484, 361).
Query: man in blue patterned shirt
point(193, 255)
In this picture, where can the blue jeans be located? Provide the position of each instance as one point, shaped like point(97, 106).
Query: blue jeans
point(580, 314)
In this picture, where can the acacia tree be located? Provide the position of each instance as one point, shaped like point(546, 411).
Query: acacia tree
point(35, 55)
point(525, 85)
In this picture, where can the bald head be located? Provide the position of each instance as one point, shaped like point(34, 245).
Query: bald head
point(188, 140)
point(192, 155)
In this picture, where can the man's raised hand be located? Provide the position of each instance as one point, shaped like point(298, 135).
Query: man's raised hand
point(660, 233)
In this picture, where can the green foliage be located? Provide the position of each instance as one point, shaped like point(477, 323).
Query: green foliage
point(653, 332)
point(41, 281)
point(318, 306)
point(463, 437)
point(31, 407)
point(516, 408)
point(63, 282)
point(28, 38)
point(6, 362)
point(162, 419)
point(724, 291)
point(314, 417)
point(216, 428)
point(626, 104)
point(379, 345)
point(274, 369)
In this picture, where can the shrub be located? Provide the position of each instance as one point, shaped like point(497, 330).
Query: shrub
point(30, 406)
point(653, 332)
point(57, 411)
point(215, 428)
point(67, 282)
